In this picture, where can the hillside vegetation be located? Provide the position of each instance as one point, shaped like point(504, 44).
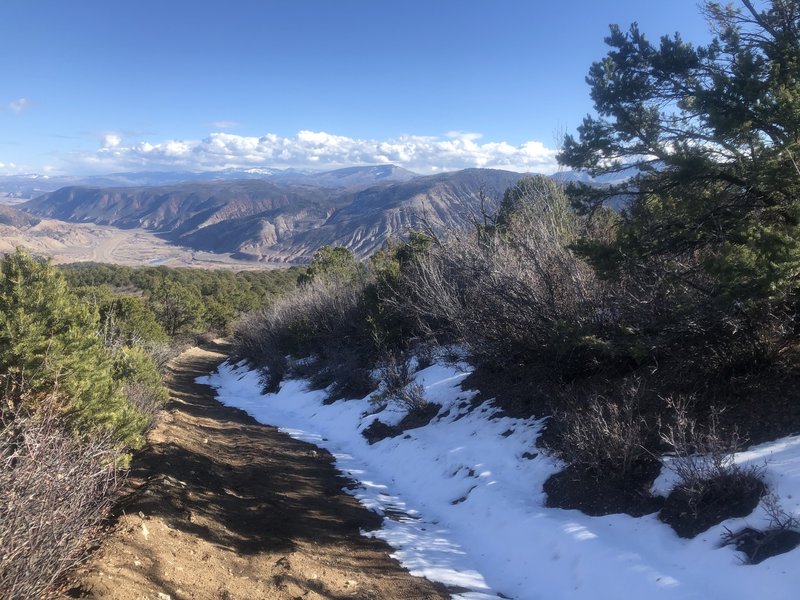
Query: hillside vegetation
point(180, 301)
point(81, 350)
point(73, 408)
point(667, 327)
point(657, 316)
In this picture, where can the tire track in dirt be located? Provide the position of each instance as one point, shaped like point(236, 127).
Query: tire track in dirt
point(219, 507)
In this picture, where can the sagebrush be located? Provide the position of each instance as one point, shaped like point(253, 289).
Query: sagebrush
point(55, 491)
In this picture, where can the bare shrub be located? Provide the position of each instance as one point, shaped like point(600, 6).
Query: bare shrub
point(746, 343)
point(778, 517)
point(606, 437)
point(54, 492)
point(513, 288)
point(711, 486)
point(424, 354)
point(781, 535)
point(252, 335)
point(699, 454)
point(324, 319)
point(162, 353)
point(345, 374)
point(397, 386)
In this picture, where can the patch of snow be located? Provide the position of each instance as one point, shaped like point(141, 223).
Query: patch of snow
point(463, 504)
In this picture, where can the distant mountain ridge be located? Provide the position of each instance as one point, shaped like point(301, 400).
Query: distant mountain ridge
point(285, 216)
point(32, 185)
point(174, 208)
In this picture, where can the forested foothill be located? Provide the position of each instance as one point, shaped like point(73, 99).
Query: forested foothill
point(82, 351)
point(181, 302)
point(655, 316)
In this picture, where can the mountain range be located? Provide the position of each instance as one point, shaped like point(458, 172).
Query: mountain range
point(281, 216)
point(32, 185)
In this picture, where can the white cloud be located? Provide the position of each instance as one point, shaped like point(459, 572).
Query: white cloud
point(110, 140)
point(10, 168)
point(317, 150)
point(224, 124)
point(18, 105)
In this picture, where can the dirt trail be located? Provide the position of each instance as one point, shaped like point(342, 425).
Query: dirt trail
point(221, 507)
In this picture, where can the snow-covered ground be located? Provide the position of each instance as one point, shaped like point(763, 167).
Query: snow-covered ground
point(463, 503)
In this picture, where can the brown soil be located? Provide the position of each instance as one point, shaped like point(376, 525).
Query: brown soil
point(418, 417)
point(573, 488)
point(221, 507)
point(692, 511)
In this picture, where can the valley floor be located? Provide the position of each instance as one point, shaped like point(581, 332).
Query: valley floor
point(65, 242)
point(220, 507)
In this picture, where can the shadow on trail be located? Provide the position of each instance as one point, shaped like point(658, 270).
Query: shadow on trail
point(236, 483)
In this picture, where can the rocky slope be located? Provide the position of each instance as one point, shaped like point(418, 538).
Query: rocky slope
point(16, 218)
point(363, 221)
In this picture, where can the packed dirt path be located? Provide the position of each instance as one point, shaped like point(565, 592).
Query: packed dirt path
point(220, 507)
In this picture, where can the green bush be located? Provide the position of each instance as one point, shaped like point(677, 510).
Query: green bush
point(50, 349)
point(333, 262)
point(179, 301)
point(125, 319)
point(391, 326)
point(134, 364)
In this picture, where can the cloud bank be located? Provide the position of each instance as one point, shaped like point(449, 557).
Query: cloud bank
point(314, 150)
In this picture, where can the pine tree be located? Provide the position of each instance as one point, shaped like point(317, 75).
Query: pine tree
point(333, 262)
point(51, 352)
point(711, 136)
point(179, 308)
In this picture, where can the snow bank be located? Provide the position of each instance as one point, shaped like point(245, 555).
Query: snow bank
point(463, 503)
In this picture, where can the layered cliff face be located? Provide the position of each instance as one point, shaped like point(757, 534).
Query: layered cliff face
point(447, 201)
point(288, 220)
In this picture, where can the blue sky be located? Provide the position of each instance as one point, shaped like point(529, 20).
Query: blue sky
point(100, 86)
